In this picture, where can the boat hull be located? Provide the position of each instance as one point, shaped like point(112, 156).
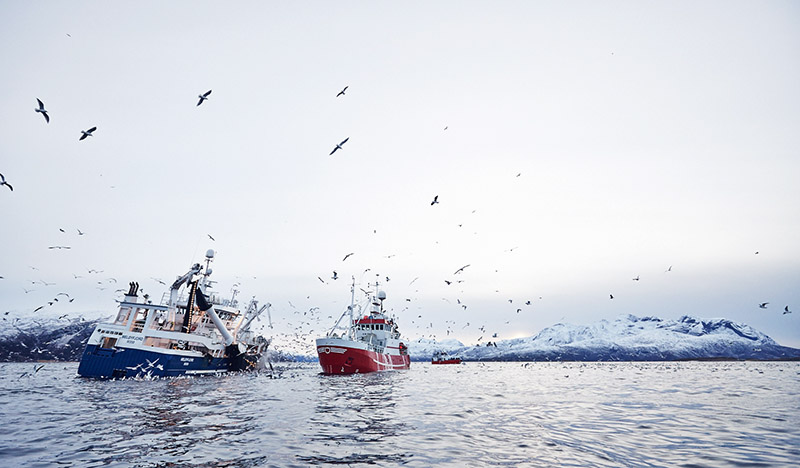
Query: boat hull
point(103, 363)
point(447, 361)
point(341, 358)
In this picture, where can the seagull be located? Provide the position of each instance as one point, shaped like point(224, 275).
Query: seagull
point(786, 310)
point(668, 269)
point(341, 93)
point(59, 247)
point(460, 269)
point(80, 233)
point(335, 275)
point(763, 305)
point(345, 257)
point(87, 133)
point(321, 280)
point(42, 110)
point(203, 97)
point(339, 146)
point(611, 296)
point(209, 236)
point(435, 200)
point(3, 182)
point(637, 278)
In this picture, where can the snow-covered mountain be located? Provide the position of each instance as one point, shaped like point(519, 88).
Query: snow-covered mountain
point(45, 339)
point(628, 338)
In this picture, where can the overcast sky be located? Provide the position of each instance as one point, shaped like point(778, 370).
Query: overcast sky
point(573, 146)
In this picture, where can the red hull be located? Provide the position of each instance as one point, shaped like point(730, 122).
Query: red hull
point(359, 361)
point(447, 361)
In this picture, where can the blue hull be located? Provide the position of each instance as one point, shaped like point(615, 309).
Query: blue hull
point(102, 363)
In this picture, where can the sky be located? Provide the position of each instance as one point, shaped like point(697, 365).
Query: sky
point(573, 147)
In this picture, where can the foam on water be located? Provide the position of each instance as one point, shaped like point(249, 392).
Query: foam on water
point(687, 414)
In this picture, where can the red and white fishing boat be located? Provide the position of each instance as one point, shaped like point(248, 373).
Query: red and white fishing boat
point(441, 357)
point(370, 343)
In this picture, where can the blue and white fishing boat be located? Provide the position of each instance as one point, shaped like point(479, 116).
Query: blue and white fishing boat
point(193, 333)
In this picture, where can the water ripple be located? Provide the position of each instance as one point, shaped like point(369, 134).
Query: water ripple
point(474, 415)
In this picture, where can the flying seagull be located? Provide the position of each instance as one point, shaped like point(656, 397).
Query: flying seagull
point(42, 110)
point(3, 182)
point(611, 296)
point(763, 305)
point(209, 236)
point(335, 275)
point(80, 233)
point(345, 257)
point(339, 146)
point(341, 93)
point(203, 97)
point(59, 247)
point(637, 278)
point(460, 269)
point(435, 200)
point(87, 133)
point(786, 310)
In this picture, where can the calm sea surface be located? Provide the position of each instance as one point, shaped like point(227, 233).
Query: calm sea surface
point(687, 414)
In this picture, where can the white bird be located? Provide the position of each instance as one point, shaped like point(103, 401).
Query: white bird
point(42, 110)
point(341, 93)
point(87, 133)
point(339, 146)
point(203, 97)
point(763, 305)
point(3, 182)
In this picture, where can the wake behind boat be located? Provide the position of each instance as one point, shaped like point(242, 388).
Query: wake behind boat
point(198, 333)
point(369, 343)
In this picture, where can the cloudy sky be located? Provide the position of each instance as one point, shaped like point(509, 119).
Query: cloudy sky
point(573, 146)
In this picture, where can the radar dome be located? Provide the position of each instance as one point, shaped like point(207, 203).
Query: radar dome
point(381, 295)
point(210, 253)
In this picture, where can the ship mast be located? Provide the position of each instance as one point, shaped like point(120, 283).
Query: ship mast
point(352, 330)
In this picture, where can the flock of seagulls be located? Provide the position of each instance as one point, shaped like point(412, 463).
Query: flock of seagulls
point(339, 146)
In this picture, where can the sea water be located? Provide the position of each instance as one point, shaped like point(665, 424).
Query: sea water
point(670, 414)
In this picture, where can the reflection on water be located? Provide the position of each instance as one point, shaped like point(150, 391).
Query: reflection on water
point(496, 414)
point(355, 419)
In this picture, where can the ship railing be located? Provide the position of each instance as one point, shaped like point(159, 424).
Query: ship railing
point(213, 298)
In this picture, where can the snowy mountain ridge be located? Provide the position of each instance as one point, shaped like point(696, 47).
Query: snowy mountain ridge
point(628, 338)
